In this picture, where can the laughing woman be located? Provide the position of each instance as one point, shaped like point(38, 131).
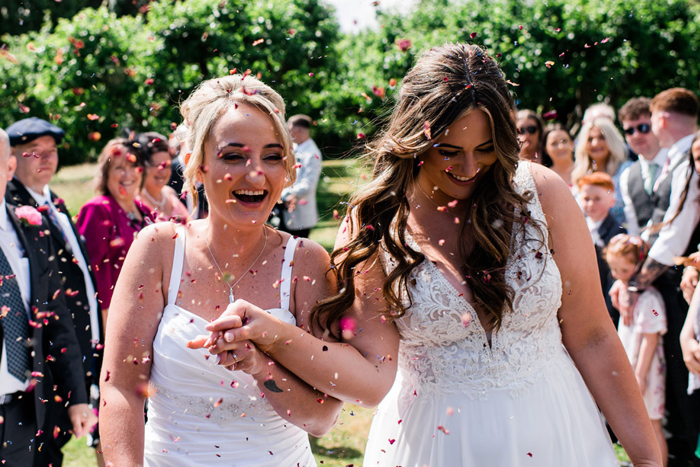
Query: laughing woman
point(110, 221)
point(177, 278)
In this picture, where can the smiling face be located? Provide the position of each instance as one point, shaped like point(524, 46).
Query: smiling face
point(596, 202)
point(560, 146)
point(37, 162)
point(597, 148)
point(527, 137)
point(245, 170)
point(158, 172)
point(124, 177)
point(644, 144)
point(460, 157)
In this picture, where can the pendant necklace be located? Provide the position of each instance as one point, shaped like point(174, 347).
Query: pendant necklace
point(159, 205)
point(230, 295)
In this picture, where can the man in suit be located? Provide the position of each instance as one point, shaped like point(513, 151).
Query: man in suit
point(34, 146)
point(35, 328)
point(301, 214)
point(646, 201)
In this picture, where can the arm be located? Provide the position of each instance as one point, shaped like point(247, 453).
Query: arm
point(689, 343)
point(340, 369)
point(587, 331)
point(129, 345)
point(646, 354)
point(293, 399)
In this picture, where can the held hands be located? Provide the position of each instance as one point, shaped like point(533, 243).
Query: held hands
point(238, 336)
point(83, 419)
point(624, 301)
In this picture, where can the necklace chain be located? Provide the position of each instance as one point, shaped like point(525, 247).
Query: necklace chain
point(444, 208)
point(160, 204)
point(230, 295)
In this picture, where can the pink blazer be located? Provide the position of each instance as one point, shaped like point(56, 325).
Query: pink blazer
point(108, 235)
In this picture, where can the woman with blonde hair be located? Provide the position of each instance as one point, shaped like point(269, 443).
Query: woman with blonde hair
point(602, 148)
point(177, 278)
point(504, 348)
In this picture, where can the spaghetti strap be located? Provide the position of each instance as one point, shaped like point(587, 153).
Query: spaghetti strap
point(286, 279)
point(178, 260)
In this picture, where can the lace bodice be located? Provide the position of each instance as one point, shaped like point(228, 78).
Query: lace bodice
point(443, 346)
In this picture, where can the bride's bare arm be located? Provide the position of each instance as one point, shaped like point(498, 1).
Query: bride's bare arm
point(137, 304)
point(587, 330)
point(362, 368)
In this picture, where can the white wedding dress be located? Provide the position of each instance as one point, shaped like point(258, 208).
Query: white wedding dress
point(199, 413)
point(458, 401)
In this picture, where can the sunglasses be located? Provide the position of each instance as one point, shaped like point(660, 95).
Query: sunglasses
point(531, 129)
point(643, 128)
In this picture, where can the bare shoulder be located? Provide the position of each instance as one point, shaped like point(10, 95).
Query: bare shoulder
point(309, 256)
point(554, 194)
point(154, 245)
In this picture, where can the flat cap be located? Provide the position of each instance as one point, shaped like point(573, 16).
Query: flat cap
point(29, 129)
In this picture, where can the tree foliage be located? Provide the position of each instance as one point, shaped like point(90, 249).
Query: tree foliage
point(99, 72)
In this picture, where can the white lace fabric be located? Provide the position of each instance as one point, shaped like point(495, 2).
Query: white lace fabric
point(439, 354)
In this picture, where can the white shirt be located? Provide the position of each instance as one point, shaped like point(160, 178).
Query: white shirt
point(45, 198)
point(11, 246)
point(593, 228)
point(630, 214)
point(674, 237)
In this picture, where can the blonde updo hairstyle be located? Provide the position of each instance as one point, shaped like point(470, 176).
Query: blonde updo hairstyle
point(212, 99)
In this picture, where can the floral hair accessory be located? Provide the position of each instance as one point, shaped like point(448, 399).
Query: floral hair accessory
point(28, 215)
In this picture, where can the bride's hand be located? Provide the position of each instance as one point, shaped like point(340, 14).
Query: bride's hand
point(242, 355)
point(244, 321)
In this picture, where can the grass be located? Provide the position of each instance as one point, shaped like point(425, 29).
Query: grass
point(345, 443)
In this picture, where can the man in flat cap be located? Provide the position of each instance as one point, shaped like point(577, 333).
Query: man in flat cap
point(35, 328)
point(34, 144)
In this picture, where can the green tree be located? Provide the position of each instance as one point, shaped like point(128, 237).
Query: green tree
point(559, 55)
point(96, 74)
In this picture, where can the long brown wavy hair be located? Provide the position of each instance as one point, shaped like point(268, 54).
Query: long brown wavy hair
point(446, 83)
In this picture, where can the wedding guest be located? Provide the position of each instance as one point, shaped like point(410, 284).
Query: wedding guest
point(601, 148)
point(301, 213)
point(110, 221)
point(597, 198)
point(643, 339)
point(36, 327)
point(558, 151)
point(200, 413)
point(674, 115)
point(505, 347)
point(645, 193)
point(530, 128)
point(156, 195)
point(34, 143)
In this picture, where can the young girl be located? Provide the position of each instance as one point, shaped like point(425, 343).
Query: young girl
point(642, 339)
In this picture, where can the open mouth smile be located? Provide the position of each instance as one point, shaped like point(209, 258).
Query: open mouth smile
point(250, 196)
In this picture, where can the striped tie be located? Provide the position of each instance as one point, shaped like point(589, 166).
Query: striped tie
point(15, 324)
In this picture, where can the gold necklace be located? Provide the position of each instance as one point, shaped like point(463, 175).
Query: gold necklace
point(230, 295)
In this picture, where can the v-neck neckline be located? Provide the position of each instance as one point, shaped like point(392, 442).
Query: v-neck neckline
point(489, 337)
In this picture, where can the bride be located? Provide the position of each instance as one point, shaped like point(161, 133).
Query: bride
point(484, 267)
point(178, 278)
